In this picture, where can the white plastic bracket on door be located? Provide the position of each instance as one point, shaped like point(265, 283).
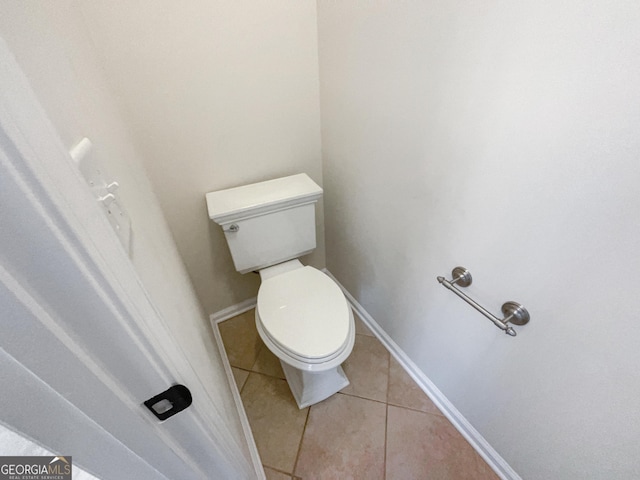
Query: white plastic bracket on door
point(104, 189)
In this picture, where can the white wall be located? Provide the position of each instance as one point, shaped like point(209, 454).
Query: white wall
point(501, 136)
point(217, 94)
point(52, 46)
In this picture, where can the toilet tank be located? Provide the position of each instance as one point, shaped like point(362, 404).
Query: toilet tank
point(268, 222)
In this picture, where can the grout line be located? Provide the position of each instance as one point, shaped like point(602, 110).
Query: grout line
point(362, 398)
point(244, 384)
point(304, 429)
point(267, 375)
point(242, 368)
point(242, 388)
point(388, 377)
point(439, 414)
point(386, 428)
point(390, 404)
point(365, 335)
point(278, 470)
point(250, 370)
point(257, 356)
point(386, 418)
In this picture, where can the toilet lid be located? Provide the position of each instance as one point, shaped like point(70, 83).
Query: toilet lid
point(305, 312)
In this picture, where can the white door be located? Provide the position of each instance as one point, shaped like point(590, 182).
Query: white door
point(81, 347)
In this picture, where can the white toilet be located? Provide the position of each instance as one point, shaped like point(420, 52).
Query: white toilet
point(301, 314)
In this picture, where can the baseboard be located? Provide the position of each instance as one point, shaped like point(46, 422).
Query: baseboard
point(477, 441)
point(246, 428)
point(232, 311)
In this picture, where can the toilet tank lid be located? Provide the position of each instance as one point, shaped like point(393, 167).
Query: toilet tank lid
point(232, 204)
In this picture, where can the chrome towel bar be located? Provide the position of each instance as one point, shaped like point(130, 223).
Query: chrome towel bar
point(513, 312)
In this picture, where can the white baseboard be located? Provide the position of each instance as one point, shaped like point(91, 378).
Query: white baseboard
point(477, 441)
point(244, 421)
point(232, 311)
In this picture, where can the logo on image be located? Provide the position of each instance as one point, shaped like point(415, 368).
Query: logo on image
point(35, 468)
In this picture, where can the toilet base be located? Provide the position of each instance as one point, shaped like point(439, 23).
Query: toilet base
point(310, 388)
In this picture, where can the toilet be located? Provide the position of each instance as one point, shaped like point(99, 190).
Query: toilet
point(302, 315)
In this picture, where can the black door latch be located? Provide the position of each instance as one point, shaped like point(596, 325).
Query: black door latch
point(169, 402)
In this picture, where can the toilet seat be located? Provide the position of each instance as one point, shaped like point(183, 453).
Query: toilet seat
point(303, 316)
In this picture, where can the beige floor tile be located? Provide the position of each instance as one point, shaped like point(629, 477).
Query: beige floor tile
point(241, 340)
point(422, 445)
point(344, 439)
point(274, 475)
point(361, 328)
point(403, 391)
point(240, 377)
point(268, 363)
point(276, 422)
point(367, 369)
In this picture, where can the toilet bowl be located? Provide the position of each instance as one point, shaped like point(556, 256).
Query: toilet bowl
point(302, 316)
point(304, 319)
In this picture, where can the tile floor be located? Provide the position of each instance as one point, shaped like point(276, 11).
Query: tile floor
point(382, 426)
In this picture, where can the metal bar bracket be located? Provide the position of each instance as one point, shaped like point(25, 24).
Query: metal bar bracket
point(514, 313)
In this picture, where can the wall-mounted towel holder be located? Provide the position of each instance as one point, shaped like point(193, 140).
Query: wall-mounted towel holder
point(513, 312)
